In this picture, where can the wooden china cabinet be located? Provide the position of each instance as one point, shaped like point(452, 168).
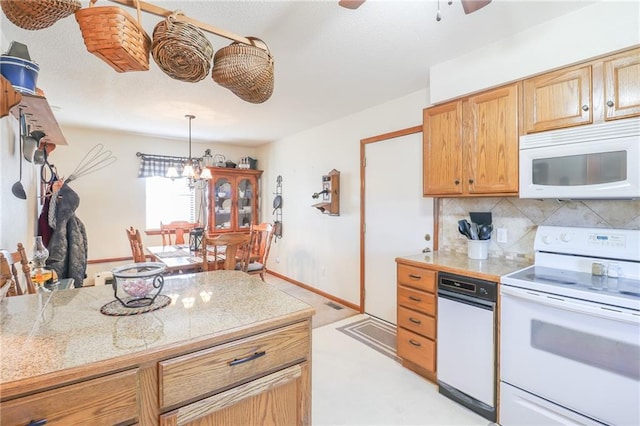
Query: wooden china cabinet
point(233, 199)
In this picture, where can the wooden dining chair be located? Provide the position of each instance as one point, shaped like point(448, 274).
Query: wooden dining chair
point(178, 229)
point(261, 236)
point(231, 251)
point(137, 248)
point(18, 262)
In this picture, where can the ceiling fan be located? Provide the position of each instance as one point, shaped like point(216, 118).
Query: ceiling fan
point(469, 6)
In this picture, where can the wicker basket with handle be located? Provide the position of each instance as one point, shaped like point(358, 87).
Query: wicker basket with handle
point(246, 70)
point(115, 36)
point(181, 50)
point(38, 14)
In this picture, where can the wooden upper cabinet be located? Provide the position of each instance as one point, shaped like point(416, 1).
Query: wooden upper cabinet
point(471, 145)
point(622, 85)
point(442, 149)
point(593, 92)
point(558, 99)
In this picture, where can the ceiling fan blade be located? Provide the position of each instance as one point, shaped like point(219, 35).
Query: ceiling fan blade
point(471, 6)
point(351, 4)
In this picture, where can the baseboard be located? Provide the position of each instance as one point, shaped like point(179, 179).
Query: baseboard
point(316, 291)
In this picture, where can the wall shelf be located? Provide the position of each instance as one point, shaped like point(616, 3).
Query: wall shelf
point(39, 116)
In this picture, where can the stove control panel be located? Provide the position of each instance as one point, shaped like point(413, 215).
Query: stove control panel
point(623, 244)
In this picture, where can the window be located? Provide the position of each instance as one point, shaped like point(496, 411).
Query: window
point(168, 200)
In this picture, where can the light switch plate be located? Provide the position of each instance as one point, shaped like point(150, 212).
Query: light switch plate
point(502, 235)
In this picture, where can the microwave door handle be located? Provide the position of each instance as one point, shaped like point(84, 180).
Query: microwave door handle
point(567, 305)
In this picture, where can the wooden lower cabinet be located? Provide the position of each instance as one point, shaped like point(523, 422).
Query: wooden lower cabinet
point(262, 377)
point(417, 309)
point(108, 400)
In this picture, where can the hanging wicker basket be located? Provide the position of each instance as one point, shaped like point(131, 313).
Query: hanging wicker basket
point(246, 70)
point(181, 50)
point(38, 14)
point(115, 36)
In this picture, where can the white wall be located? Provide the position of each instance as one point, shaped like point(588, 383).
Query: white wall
point(317, 249)
point(17, 217)
point(589, 32)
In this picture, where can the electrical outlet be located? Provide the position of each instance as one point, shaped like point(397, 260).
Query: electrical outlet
point(277, 260)
point(502, 235)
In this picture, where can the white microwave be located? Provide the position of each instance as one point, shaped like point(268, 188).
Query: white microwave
point(597, 161)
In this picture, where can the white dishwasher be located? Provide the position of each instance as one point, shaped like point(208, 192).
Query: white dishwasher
point(466, 350)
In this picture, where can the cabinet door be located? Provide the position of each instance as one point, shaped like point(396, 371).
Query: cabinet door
point(280, 398)
point(491, 139)
point(221, 196)
point(246, 189)
point(622, 85)
point(558, 99)
point(442, 149)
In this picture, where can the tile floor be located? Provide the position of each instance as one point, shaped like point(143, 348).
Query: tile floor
point(353, 384)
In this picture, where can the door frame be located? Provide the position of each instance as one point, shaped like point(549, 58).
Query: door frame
point(436, 201)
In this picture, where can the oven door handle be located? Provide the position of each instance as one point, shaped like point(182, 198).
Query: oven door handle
point(559, 302)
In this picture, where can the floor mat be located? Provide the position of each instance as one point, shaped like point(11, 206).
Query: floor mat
point(375, 333)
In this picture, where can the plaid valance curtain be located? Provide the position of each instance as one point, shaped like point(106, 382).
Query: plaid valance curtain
point(157, 165)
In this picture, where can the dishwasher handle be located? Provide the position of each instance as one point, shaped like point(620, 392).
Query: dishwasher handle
point(467, 300)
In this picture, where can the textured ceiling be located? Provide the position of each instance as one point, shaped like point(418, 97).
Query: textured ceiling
point(329, 62)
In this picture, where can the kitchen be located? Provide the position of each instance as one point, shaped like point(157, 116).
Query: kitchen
point(312, 259)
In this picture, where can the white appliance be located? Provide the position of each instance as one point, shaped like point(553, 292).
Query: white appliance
point(570, 331)
point(466, 348)
point(583, 162)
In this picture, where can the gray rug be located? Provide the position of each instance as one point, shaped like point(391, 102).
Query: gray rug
point(377, 334)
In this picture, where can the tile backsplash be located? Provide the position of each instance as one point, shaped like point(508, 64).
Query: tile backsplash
point(521, 217)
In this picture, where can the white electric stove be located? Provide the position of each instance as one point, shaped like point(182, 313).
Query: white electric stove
point(570, 330)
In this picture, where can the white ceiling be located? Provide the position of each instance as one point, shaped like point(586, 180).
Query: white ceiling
point(329, 62)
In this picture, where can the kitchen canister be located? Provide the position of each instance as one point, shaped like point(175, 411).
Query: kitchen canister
point(478, 249)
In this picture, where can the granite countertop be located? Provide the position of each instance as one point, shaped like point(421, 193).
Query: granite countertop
point(489, 269)
point(49, 332)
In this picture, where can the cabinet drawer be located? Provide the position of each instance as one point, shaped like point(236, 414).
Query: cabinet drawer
point(416, 349)
point(417, 300)
point(106, 400)
point(417, 322)
point(193, 375)
point(415, 277)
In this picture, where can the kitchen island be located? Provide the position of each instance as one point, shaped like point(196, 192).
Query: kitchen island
point(228, 349)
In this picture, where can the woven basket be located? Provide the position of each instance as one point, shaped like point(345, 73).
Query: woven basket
point(38, 14)
point(114, 36)
point(246, 70)
point(181, 50)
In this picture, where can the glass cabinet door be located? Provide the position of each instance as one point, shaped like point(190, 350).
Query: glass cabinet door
point(222, 198)
point(245, 203)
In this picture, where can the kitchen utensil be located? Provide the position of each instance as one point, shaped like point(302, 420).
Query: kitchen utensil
point(93, 161)
point(481, 218)
point(17, 189)
point(465, 228)
point(484, 231)
point(473, 230)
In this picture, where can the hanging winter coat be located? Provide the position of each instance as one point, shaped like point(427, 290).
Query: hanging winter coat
point(68, 243)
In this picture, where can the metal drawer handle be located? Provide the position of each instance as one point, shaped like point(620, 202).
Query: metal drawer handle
point(414, 343)
point(415, 277)
point(415, 299)
point(247, 358)
point(415, 321)
point(37, 422)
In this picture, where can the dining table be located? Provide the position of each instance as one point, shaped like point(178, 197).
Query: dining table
point(179, 257)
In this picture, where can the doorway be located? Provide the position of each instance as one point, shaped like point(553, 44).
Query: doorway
point(395, 215)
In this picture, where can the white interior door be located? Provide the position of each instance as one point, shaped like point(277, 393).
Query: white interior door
point(396, 215)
